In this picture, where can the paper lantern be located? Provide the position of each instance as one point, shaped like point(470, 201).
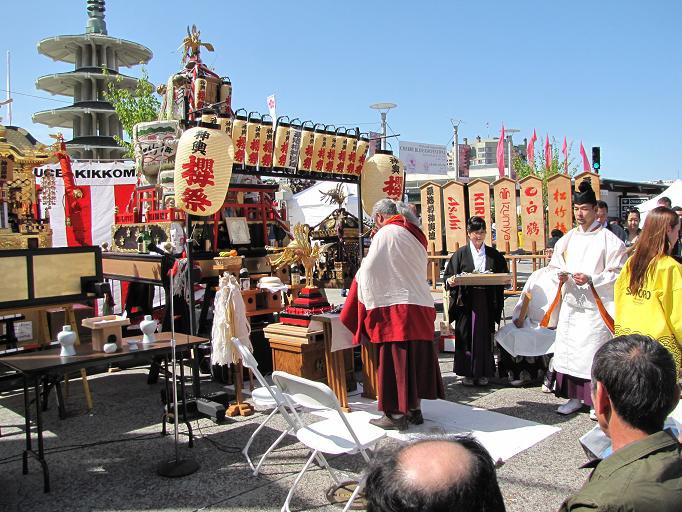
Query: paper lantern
point(203, 167)
point(239, 138)
point(200, 85)
point(351, 154)
point(305, 157)
point(330, 157)
point(267, 139)
point(253, 131)
point(361, 154)
point(341, 153)
point(320, 147)
point(225, 96)
point(383, 176)
point(225, 124)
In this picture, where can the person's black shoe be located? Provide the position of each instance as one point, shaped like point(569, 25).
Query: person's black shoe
point(388, 423)
point(415, 417)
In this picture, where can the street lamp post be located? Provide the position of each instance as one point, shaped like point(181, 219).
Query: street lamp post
point(383, 108)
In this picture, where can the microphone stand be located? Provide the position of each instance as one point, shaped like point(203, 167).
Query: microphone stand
point(176, 467)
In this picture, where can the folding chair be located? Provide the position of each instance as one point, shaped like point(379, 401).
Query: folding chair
point(266, 396)
point(348, 433)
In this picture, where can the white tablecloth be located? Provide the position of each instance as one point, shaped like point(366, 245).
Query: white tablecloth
point(342, 338)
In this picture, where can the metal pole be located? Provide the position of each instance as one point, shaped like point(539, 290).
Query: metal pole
point(383, 130)
point(509, 141)
point(456, 150)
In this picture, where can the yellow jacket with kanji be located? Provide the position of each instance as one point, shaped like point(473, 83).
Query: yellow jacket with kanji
point(656, 310)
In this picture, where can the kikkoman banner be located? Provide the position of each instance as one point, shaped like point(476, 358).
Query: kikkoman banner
point(423, 158)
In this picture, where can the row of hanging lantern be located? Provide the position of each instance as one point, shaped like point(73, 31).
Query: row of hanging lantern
point(292, 146)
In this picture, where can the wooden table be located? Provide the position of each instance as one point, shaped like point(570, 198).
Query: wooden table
point(37, 366)
point(336, 365)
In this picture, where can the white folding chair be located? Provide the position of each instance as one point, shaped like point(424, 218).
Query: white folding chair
point(341, 432)
point(267, 396)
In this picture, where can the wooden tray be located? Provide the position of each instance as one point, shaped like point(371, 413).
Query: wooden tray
point(483, 279)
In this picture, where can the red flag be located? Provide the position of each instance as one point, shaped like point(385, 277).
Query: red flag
point(586, 162)
point(500, 154)
point(530, 150)
point(548, 154)
point(564, 150)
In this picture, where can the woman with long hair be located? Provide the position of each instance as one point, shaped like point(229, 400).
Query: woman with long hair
point(649, 284)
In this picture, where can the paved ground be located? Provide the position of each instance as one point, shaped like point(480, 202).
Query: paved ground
point(107, 461)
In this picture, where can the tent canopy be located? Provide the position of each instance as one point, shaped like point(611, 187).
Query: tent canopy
point(674, 192)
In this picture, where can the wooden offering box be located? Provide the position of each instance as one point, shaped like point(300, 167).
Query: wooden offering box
point(298, 350)
point(104, 327)
point(483, 279)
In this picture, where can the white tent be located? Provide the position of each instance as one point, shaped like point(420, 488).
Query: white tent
point(307, 207)
point(674, 192)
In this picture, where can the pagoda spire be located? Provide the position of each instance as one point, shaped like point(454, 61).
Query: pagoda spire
point(96, 23)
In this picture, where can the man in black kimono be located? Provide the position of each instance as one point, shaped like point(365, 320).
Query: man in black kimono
point(475, 309)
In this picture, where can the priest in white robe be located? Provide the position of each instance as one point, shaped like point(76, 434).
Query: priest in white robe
point(587, 261)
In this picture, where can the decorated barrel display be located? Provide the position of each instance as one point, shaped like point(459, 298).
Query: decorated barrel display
point(383, 176)
point(203, 167)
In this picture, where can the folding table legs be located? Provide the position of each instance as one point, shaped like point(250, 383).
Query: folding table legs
point(39, 429)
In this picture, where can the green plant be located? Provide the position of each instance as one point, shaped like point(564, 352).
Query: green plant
point(132, 107)
point(523, 168)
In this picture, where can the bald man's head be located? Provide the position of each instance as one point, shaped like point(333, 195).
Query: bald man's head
point(434, 475)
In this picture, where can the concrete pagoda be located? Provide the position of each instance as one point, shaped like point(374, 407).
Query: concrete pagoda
point(92, 119)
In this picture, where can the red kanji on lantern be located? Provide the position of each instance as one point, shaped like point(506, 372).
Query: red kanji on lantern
point(195, 199)
point(532, 228)
point(531, 208)
point(307, 162)
point(267, 146)
point(267, 160)
point(504, 193)
point(559, 195)
point(241, 143)
point(198, 171)
point(255, 144)
point(531, 191)
point(309, 151)
point(393, 187)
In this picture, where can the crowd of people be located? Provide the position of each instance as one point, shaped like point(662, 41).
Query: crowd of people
point(601, 322)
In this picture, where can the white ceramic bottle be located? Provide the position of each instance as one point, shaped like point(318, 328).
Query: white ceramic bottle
point(67, 339)
point(148, 328)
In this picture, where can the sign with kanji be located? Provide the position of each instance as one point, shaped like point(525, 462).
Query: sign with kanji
point(454, 213)
point(385, 177)
point(504, 192)
point(560, 203)
point(479, 205)
point(432, 214)
point(532, 213)
point(203, 167)
point(594, 180)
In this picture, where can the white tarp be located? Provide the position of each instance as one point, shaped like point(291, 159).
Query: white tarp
point(308, 206)
point(674, 192)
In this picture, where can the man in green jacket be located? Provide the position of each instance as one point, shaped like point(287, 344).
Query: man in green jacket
point(635, 388)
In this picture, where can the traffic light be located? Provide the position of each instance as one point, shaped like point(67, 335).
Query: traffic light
point(596, 155)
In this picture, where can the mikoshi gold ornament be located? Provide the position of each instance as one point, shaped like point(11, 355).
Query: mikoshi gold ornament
point(305, 156)
point(253, 134)
point(267, 139)
point(361, 153)
point(320, 147)
point(203, 167)
point(239, 137)
point(383, 176)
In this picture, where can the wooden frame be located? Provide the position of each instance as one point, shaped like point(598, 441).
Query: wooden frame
point(238, 230)
point(31, 279)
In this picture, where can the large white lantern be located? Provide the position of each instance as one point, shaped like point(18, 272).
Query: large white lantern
point(203, 167)
point(383, 175)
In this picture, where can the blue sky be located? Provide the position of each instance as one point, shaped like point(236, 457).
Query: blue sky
point(607, 73)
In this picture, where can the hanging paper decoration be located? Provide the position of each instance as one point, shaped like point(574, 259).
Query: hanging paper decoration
point(383, 176)
point(203, 167)
point(266, 144)
point(239, 138)
point(361, 154)
point(305, 158)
